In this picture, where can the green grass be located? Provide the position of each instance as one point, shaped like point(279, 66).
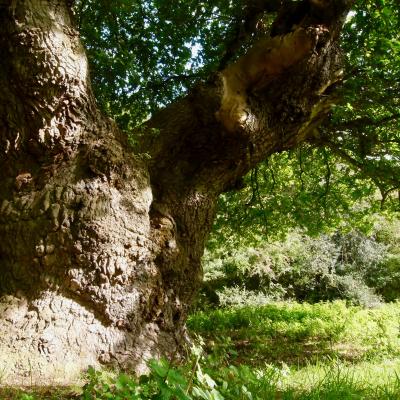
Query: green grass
point(304, 351)
point(280, 351)
point(298, 334)
point(37, 393)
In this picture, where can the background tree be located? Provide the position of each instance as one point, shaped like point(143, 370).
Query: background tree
point(101, 245)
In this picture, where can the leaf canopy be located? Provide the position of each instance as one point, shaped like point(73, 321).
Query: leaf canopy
point(145, 54)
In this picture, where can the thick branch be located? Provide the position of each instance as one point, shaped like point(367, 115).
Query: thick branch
point(268, 101)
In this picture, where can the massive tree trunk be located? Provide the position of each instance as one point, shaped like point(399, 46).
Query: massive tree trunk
point(100, 247)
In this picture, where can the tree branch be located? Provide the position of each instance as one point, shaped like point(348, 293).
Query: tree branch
point(362, 122)
point(374, 175)
point(328, 174)
point(279, 102)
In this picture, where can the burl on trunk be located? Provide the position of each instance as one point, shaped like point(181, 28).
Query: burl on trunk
point(100, 248)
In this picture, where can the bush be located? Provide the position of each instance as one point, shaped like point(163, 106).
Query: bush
point(352, 266)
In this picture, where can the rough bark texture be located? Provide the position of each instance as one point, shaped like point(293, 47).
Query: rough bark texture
point(100, 251)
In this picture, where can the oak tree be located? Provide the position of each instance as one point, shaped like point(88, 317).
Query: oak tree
point(101, 238)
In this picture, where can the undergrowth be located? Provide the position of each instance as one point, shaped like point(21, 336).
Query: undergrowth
point(279, 351)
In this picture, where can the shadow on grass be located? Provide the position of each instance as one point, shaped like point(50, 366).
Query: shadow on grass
point(39, 392)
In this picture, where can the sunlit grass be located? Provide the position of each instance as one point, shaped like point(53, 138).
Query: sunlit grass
point(300, 333)
point(287, 351)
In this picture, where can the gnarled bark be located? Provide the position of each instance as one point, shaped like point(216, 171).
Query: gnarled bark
point(100, 251)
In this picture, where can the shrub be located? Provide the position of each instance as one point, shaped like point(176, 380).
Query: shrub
point(352, 266)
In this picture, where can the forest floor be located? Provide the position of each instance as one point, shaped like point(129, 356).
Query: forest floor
point(276, 351)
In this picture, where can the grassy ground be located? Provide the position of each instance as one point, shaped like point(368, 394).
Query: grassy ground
point(300, 334)
point(307, 351)
point(278, 351)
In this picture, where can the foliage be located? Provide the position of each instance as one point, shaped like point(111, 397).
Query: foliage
point(307, 188)
point(143, 55)
point(347, 265)
point(350, 169)
point(366, 124)
point(387, 279)
point(163, 382)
